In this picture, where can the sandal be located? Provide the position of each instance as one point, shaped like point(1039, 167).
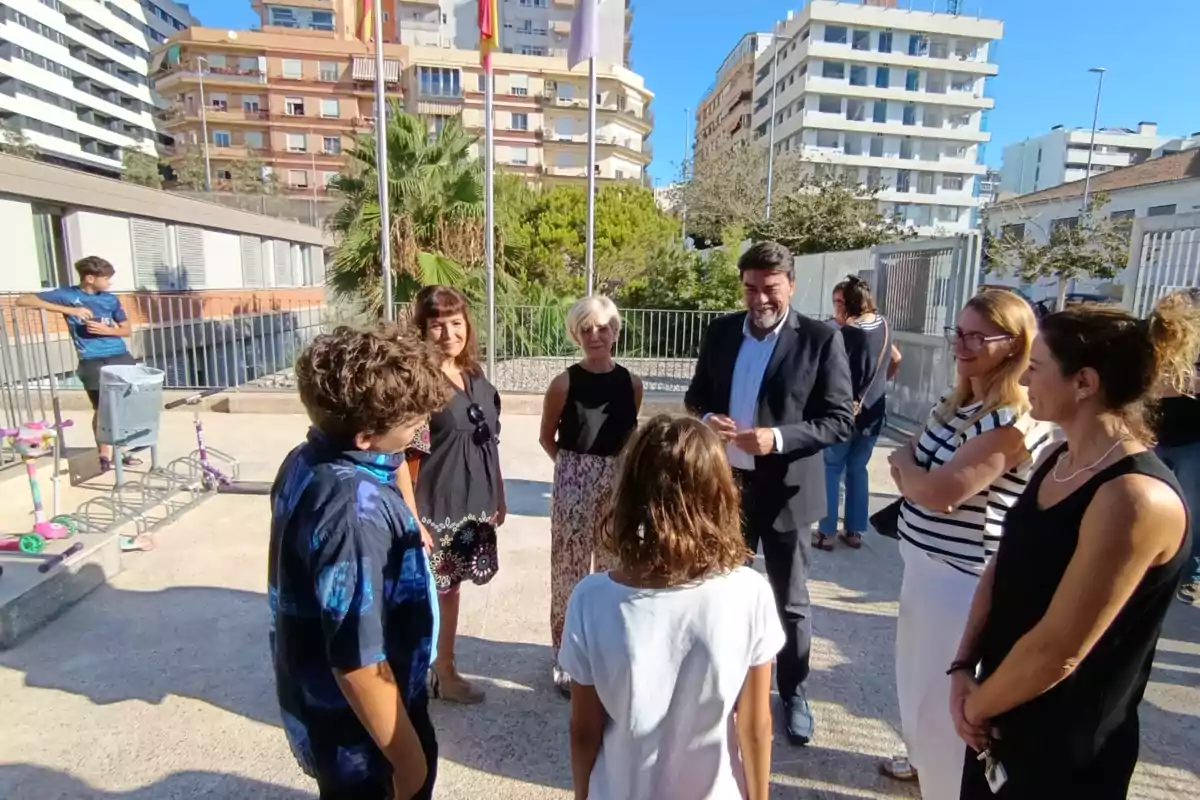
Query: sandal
point(454, 688)
point(898, 768)
point(135, 544)
point(822, 541)
point(853, 540)
point(106, 464)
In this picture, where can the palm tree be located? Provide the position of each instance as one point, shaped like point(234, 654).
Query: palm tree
point(435, 196)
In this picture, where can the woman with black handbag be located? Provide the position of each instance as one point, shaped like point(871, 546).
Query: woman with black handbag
point(958, 478)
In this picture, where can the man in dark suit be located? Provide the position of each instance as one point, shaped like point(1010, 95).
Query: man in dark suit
point(775, 385)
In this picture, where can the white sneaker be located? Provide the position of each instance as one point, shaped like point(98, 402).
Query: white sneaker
point(562, 681)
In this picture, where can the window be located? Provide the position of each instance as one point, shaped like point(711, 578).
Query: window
point(482, 82)
point(946, 214)
point(930, 151)
point(876, 147)
point(298, 178)
point(1063, 224)
point(858, 75)
point(903, 180)
point(952, 183)
point(331, 145)
point(215, 60)
point(250, 103)
point(218, 101)
point(885, 42)
point(293, 106)
point(861, 40)
point(293, 68)
point(833, 69)
point(939, 48)
point(879, 114)
point(962, 83)
point(922, 215)
point(836, 34)
point(1122, 217)
point(518, 156)
point(917, 44)
point(925, 183)
point(960, 120)
point(912, 80)
point(874, 178)
point(1161, 211)
point(883, 77)
point(222, 139)
point(856, 109)
point(518, 85)
point(327, 178)
point(853, 145)
point(520, 122)
point(936, 83)
point(283, 17)
point(932, 117)
point(530, 50)
point(253, 139)
point(830, 104)
point(296, 143)
point(906, 149)
point(439, 81)
point(965, 50)
point(910, 114)
point(248, 64)
point(828, 139)
point(328, 71)
point(329, 107)
point(322, 21)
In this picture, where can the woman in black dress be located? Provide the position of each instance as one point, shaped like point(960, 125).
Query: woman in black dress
point(1067, 615)
point(459, 490)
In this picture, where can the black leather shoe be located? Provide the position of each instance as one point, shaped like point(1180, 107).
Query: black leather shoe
point(799, 719)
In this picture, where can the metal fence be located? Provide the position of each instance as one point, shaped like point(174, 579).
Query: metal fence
point(1164, 257)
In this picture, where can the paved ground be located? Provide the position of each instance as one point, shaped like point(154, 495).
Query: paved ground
point(158, 686)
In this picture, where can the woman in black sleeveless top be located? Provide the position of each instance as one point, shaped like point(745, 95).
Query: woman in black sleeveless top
point(588, 413)
point(1064, 624)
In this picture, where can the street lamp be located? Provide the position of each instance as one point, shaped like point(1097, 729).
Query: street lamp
point(1087, 181)
point(201, 61)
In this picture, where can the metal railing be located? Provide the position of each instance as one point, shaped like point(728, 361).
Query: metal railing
point(1164, 257)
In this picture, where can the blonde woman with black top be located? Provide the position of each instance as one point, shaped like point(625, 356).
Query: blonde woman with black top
point(589, 411)
point(958, 478)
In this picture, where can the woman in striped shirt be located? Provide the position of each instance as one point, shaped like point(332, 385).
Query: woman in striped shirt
point(958, 477)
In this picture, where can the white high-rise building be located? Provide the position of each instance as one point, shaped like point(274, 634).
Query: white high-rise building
point(528, 27)
point(887, 97)
point(1061, 155)
point(73, 75)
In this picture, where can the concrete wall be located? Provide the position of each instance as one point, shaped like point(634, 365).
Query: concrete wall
point(20, 243)
point(90, 233)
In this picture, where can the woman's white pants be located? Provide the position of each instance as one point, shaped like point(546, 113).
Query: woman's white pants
point(935, 600)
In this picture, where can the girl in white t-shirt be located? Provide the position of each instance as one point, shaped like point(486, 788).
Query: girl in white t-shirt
point(663, 650)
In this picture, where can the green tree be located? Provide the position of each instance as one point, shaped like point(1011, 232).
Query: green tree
point(188, 166)
point(435, 198)
point(630, 230)
point(250, 176)
point(731, 189)
point(699, 280)
point(825, 214)
point(141, 168)
point(14, 142)
point(1090, 246)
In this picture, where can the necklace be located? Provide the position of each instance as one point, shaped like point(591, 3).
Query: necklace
point(1081, 470)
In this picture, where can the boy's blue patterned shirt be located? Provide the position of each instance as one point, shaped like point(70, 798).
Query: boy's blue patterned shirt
point(348, 586)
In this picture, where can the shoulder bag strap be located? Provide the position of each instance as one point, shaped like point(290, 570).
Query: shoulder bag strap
point(878, 361)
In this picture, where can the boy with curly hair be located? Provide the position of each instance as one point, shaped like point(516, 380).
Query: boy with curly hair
point(352, 602)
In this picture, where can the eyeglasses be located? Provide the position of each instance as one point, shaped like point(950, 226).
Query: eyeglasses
point(973, 341)
point(483, 431)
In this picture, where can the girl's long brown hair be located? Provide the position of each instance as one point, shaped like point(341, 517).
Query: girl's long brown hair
point(676, 513)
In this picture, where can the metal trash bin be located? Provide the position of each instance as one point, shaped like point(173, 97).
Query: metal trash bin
point(130, 406)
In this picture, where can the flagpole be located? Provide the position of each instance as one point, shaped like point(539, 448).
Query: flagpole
point(590, 258)
point(489, 233)
point(385, 227)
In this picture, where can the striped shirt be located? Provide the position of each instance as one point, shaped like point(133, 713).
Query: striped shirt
point(967, 537)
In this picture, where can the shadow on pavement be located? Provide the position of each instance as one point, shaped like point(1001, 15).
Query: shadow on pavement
point(527, 498)
point(31, 782)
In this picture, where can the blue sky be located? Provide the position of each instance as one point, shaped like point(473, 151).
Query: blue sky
point(1149, 47)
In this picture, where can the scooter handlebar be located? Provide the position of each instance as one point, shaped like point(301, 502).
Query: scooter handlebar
point(192, 399)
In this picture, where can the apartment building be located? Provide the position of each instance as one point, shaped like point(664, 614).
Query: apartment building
point(293, 99)
point(723, 116)
point(527, 27)
point(1061, 155)
point(887, 97)
point(73, 75)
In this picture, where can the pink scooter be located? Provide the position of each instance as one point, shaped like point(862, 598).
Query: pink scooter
point(31, 441)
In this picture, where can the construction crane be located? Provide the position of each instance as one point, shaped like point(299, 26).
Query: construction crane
point(954, 6)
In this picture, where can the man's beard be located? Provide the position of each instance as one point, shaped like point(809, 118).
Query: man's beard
point(766, 318)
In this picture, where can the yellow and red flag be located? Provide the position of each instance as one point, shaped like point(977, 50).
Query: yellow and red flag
point(489, 31)
point(366, 20)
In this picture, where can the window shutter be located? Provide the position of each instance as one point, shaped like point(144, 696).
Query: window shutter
point(284, 274)
point(190, 244)
point(317, 254)
point(252, 268)
point(150, 268)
